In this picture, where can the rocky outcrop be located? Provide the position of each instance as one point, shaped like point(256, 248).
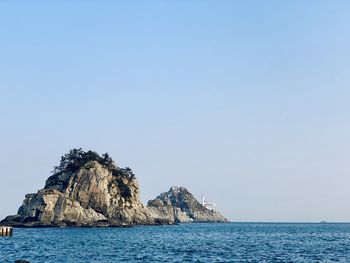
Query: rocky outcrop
point(87, 189)
point(92, 196)
point(179, 205)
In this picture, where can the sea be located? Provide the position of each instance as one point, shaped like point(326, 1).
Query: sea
point(215, 242)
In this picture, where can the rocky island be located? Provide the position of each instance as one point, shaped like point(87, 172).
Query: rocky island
point(87, 189)
point(179, 205)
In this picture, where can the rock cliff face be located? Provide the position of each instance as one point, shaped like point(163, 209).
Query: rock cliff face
point(179, 205)
point(92, 196)
point(87, 189)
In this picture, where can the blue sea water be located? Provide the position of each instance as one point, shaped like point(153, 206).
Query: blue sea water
point(232, 242)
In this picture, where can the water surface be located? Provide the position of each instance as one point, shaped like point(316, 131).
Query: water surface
point(233, 242)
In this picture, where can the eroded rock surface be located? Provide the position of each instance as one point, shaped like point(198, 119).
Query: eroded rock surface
point(179, 205)
point(87, 189)
point(92, 196)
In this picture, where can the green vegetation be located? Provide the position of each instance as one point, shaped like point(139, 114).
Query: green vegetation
point(77, 158)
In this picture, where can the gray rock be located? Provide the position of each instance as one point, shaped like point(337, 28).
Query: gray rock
point(92, 196)
point(90, 190)
point(179, 205)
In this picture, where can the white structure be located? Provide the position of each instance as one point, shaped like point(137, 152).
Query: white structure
point(6, 231)
point(210, 206)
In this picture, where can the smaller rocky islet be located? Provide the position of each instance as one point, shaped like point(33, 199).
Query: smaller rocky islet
point(87, 189)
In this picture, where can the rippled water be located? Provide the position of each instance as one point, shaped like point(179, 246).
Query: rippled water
point(234, 242)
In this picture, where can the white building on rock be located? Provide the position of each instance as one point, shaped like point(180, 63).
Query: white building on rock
point(206, 204)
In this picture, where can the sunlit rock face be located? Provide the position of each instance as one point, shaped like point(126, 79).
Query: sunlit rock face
point(179, 205)
point(87, 189)
point(93, 195)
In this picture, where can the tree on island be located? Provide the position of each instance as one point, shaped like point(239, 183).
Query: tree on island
point(77, 158)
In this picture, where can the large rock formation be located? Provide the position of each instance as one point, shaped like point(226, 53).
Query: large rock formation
point(85, 192)
point(179, 205)
point(87, 189)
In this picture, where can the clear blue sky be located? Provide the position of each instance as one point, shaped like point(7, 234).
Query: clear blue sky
point(246, 102)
